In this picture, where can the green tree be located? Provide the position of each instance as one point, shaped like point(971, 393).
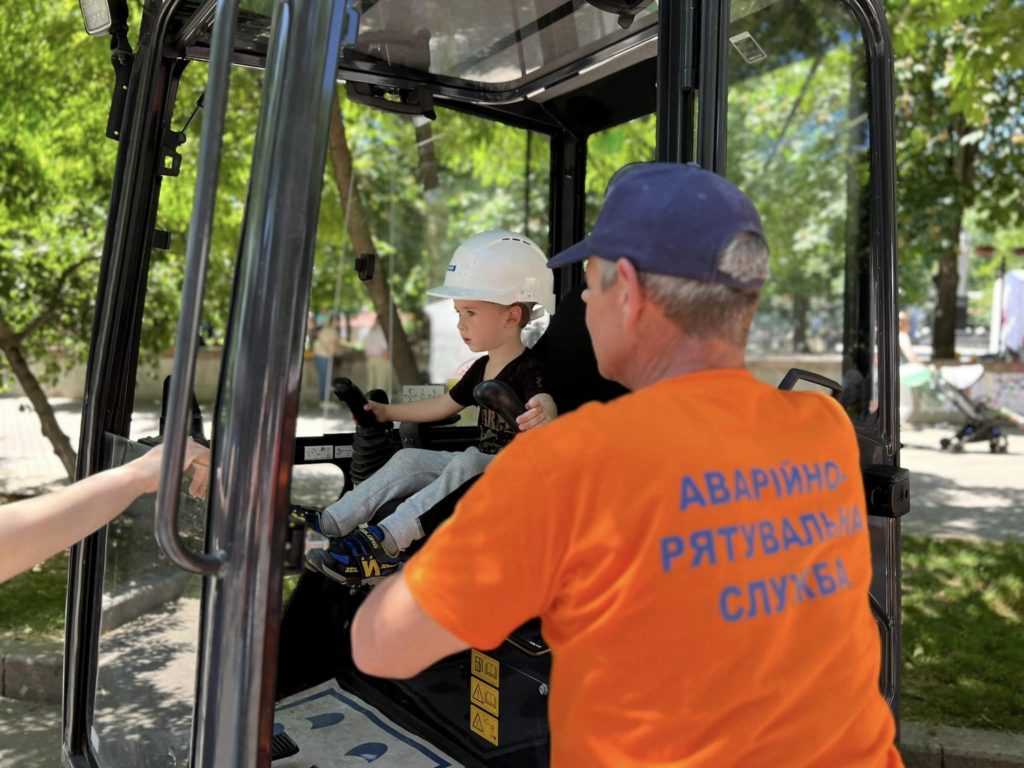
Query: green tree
point(960, 132)
point(54, 185)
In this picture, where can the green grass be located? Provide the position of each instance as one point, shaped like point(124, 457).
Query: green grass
point(963, 633)
point(32, 603)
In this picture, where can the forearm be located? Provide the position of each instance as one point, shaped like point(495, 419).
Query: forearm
point(35, 529)
point(431, 409)
point(392, 636)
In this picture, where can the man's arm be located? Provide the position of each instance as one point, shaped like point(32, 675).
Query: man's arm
point(392, 636)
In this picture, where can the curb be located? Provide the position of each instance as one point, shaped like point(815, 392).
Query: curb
point(32, 671)
point(135, 598)
point(35, 671)
point(943, 746)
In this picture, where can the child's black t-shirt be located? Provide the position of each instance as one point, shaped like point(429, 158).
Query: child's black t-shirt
point(525, 374)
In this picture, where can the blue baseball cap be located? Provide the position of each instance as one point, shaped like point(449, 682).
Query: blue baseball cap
point(669, 219)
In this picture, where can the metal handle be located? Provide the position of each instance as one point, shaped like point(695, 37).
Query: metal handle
point(798, 374)
point(194, 285)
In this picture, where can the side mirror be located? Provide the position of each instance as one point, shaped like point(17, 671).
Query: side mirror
point(102, 17)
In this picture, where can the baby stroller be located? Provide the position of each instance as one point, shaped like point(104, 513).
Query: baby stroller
point(952, 383)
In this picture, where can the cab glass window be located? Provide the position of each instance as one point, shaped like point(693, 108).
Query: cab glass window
point(608, 151)
point(798, 144)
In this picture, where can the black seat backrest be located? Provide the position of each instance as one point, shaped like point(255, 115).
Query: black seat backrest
point(568, 356)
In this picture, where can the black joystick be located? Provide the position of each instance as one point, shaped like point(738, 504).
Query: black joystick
point(372, 444)
point(500, 398)
point(354, 398)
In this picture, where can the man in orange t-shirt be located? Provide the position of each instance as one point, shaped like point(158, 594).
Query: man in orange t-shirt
point(697, 550)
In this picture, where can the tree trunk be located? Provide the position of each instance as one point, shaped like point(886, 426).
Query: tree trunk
point(961, 168)
point(362, 242)
point(436, 218)
point(61, 445)
point(801, 306)
point(946, 281)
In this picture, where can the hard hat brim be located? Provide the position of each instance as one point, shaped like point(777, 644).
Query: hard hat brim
point(494, 297)
point(470, 294)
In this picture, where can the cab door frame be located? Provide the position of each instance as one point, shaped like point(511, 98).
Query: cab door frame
point(113, 359)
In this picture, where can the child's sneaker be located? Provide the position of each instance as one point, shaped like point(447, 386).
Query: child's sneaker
point(358, 558)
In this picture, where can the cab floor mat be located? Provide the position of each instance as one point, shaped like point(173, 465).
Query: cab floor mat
point(335, 729)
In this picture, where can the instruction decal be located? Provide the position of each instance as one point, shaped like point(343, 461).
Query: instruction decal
point(485, 667)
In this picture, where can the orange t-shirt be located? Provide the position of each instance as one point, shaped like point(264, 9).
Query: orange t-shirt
point(698, 554)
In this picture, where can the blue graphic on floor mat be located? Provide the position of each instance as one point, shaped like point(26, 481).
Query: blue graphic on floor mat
point(325, 720)
point(369, 751)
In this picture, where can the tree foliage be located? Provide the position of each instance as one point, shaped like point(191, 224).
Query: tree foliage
point(797, 144)
point(960, 133)
point(54, 184)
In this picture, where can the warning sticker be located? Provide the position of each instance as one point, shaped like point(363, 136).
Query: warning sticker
point(413, 392)
point(486, 668)
point(317, 452)
point(343, 451)
point(483, 725)
point(483, 695)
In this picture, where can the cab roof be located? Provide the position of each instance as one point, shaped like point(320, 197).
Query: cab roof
point(494, 52)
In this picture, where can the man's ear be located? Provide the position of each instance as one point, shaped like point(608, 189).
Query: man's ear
point(632, 293)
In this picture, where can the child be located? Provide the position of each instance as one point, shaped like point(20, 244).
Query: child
point(495, 279)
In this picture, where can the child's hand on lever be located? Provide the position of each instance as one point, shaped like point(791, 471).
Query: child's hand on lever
point(540, 409)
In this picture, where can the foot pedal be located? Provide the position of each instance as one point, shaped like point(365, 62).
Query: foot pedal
point(282, 745)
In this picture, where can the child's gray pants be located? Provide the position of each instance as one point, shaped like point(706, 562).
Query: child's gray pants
point(424, 476)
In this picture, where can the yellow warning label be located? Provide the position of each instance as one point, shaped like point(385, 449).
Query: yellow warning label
point(484, 695)
point(483, 724)
point(486, 668)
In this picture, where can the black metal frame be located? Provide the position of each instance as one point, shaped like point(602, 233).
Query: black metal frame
point(122, 283)
point(110, 375)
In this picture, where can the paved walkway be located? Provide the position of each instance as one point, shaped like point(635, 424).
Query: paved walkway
point(29, 466)
point(971, 495)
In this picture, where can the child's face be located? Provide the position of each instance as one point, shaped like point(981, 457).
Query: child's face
point(484, 325)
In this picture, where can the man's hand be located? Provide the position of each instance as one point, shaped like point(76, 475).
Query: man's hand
point(540, 409)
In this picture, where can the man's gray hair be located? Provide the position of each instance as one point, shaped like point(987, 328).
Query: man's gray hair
point(708, 310)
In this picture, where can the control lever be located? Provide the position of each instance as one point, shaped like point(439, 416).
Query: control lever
point(500, 398)
point(372, 445)
point(353, 397)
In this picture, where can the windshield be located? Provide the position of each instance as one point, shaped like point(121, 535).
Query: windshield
point(495, 45)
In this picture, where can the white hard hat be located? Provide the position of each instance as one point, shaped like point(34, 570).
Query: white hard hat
point(501, 267)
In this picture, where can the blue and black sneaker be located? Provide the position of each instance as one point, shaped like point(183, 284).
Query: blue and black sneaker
point(310, 514)
point(358, 558)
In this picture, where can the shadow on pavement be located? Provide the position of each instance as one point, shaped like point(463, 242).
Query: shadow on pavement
point(31, 734)
point(944, 506)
